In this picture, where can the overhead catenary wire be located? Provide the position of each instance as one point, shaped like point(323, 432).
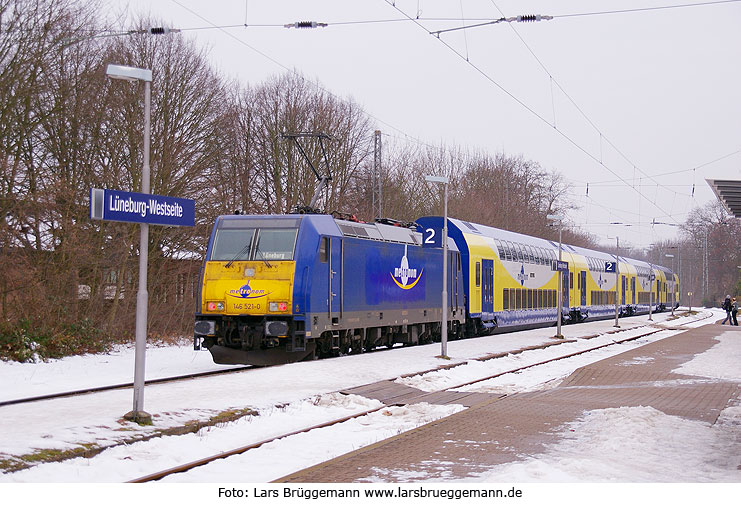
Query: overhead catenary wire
point(313, 24)
point(647, 9)
point(602, 136)
point(484, 21)
point(673, 172)
point(563, 134)
point(420, 18)
point(293, 71)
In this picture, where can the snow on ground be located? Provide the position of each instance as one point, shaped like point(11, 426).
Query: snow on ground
point(282, 457)
point(261, 465)
point(634, 444)
point(304, 395)
point(720, 362)
point(529, 379)
point(114, 368)
point(642, 444)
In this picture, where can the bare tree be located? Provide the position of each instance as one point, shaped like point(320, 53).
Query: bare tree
point(41, 146)
point(287, 105)
point(710, 252)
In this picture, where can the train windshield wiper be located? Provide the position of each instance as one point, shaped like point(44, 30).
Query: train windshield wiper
point(241, 252)
point(262, 255)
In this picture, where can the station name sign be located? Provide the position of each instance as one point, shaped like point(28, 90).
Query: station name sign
point(115, 205)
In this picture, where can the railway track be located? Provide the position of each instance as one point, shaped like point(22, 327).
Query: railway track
point(652, 329)
point(83, 391)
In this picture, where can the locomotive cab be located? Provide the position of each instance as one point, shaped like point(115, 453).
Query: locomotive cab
point(246, 291)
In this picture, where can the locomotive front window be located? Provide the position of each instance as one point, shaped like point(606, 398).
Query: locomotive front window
point(275, 244)
point(235, 244)
point(232, 245)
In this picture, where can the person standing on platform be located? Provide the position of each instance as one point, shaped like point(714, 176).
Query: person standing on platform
point(734, 312)
point(727, 307)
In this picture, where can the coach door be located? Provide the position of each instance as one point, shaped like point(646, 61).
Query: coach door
point(565, 289)
point(334, 281)
point(633, 289)
point(487, 282)
point(454, 259)
point(583, 287)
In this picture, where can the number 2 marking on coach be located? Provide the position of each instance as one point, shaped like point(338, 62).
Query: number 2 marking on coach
point(430, 239)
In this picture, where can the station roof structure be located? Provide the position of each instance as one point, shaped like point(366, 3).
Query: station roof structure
point(728, 191)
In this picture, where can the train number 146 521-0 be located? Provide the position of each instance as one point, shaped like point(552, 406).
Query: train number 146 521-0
point(246, 306)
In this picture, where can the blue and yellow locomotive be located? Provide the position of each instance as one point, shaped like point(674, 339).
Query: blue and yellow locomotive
point(283, 288)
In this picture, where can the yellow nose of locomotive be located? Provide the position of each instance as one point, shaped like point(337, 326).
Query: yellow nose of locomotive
point(247, 288)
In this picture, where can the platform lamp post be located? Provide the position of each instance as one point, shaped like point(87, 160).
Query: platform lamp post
point(674, 289)
point(651, 277)
point(559, 295)
point(138, 414)
point(617, 279)
point(444, 331)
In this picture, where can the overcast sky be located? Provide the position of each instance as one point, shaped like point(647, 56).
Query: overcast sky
point(616, 100)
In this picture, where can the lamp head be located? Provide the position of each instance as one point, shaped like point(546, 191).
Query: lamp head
point(128, 73)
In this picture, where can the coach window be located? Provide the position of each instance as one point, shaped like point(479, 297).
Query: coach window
point(478, 273)
point(324, 249)
point(508, 251)
point(505, 299)
point(500, 248)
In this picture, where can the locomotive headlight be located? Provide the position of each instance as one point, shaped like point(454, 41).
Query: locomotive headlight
point(278, 307)
point(214, 305)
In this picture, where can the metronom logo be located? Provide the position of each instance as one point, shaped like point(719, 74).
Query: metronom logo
point(403, 274)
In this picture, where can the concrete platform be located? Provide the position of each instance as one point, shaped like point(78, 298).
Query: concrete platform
point(496, 430)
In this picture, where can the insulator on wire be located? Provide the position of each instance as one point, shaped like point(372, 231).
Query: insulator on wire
point(528, 18)
point(159, 30)
point(305, 24)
